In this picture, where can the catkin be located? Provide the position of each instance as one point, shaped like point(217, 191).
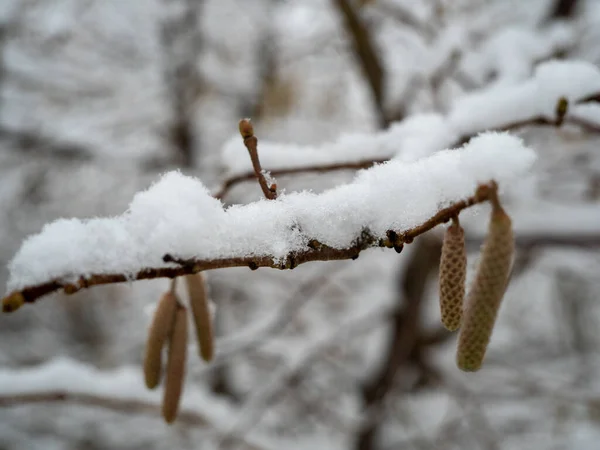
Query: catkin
point(175, 366)
point(453, 268)
point(158, 333)
point(485, 296)
point(202, 319)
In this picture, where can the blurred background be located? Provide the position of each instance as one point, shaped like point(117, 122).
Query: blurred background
point(99, 97)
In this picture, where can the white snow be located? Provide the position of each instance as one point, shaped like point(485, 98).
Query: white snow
point(537, 97)
point(423, 134)
point(177, 215)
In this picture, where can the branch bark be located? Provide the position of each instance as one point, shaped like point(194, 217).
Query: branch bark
point(314, 252)
point(563, 9)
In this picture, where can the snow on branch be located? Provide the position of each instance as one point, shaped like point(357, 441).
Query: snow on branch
point(176, 227)
point(71, 382)
point(560, 92)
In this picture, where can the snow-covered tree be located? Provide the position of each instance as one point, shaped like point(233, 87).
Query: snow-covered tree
point(377, 126)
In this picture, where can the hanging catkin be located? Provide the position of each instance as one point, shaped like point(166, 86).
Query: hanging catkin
point(196, 287)
point(487, 290)
point(159, 331)
point(175, 365)
point(453, 268)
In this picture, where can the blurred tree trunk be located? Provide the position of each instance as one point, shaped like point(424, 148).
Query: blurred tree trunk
point(404, 345)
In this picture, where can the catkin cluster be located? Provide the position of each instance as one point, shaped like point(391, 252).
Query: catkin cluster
point(169, 328)
point(476, 314)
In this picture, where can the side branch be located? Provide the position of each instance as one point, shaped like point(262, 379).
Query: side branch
point(560, 119)
point(314, 252)
point(115, 404)
point(317, 168)
point(251, 143)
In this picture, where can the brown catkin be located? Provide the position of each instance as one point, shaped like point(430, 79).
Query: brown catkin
point(175, 366)
point(453, 270)
point(485, 296)
point(196, 287)
point(159, 331)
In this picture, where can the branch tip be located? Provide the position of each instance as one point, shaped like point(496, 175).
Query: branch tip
point(12, 302)
point(246, 128)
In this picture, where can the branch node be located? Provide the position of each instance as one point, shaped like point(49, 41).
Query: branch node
point(70, 288)
point(12, 302)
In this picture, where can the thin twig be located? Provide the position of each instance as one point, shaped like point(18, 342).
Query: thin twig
point(251, 143)
point(585, 124)
point(314, 252)
point(317, 168)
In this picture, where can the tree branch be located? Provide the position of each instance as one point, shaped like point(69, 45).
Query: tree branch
point(557, 122)
point(366, 54)
point(251, 143)
point(324, 168)
point(121, 405)
point(314, 252)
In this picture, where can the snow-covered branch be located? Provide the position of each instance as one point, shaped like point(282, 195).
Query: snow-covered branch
point(539, 101)
point(176, 227)
point(67, 381)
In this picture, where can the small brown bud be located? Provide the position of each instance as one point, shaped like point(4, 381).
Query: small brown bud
point(70, 289)
point(453, 270)
point(175, 372)
point(12, 302)
point(196, 287)
point(246, 128)
point(485, 296)
point(159, 330)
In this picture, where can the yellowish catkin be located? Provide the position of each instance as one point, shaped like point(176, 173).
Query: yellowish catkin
point(485, 296)
point(453, 270)
point(175, 372)
point(197, 292)
point(158, 333)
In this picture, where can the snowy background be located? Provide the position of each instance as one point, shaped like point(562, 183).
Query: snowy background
point(98, 99)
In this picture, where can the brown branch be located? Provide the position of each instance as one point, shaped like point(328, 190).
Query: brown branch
point(366, 54)
point(121, 405)
point(325, 168)
point(251, 143)
point(563, 9)
point(314, 252)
